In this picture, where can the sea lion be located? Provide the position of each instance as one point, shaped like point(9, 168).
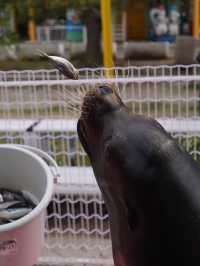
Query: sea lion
point(150, 184)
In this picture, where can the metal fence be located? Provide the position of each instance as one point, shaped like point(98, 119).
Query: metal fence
point(62, 33)
point(75, 33)
point(35, 109)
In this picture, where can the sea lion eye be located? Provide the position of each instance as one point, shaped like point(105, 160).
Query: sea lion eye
point(103, 90)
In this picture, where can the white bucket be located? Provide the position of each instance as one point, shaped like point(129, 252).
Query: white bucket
point(21, 169)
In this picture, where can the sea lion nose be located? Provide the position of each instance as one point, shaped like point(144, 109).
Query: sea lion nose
point(104, 90)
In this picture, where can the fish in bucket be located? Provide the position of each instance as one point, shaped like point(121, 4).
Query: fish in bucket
point(26, 189)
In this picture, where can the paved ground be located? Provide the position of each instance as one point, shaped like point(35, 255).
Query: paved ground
point(61, 255)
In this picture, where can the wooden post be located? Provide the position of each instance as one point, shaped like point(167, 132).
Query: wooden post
point(107, 33)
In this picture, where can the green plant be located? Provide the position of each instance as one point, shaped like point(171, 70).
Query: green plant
point(8, 38)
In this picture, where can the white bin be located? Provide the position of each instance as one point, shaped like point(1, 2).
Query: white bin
point(21, 241)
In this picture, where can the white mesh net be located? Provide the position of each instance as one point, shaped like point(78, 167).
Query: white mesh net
point(33, 112)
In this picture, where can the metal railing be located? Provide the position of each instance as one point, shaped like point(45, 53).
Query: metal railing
point(62, 33)
point(74, 33)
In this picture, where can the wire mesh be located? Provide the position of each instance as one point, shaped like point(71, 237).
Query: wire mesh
point(33, 111)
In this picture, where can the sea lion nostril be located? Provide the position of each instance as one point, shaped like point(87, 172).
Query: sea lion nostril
point(103, 90)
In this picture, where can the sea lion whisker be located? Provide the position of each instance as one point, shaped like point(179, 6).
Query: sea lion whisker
point(73, 94)
point(72, 97)
point(83, 89)
point(73, 111)
point(81, 95)
point(71, 105)
point(66, 99)
point(74, 107)
point(74, 101)
point(70, 110)
point(68, 102)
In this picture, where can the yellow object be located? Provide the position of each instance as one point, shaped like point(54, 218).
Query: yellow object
point(107, 33)
point(31, 22)
point(32, 30)
point(196, 18)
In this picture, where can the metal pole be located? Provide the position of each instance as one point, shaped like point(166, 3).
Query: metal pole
point(107, 33)
point(196, 18)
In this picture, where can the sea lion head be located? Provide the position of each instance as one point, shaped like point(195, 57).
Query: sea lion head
point(99, 102)
point(99, 105)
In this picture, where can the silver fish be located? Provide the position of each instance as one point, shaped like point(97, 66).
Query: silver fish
point(14, 213)
point(11, 195)
point(8, 204)
point(5, 221)
point(30, 198)
point(63, 65)
point(15, 204)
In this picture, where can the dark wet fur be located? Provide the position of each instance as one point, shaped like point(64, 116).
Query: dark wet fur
point(150, 184)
